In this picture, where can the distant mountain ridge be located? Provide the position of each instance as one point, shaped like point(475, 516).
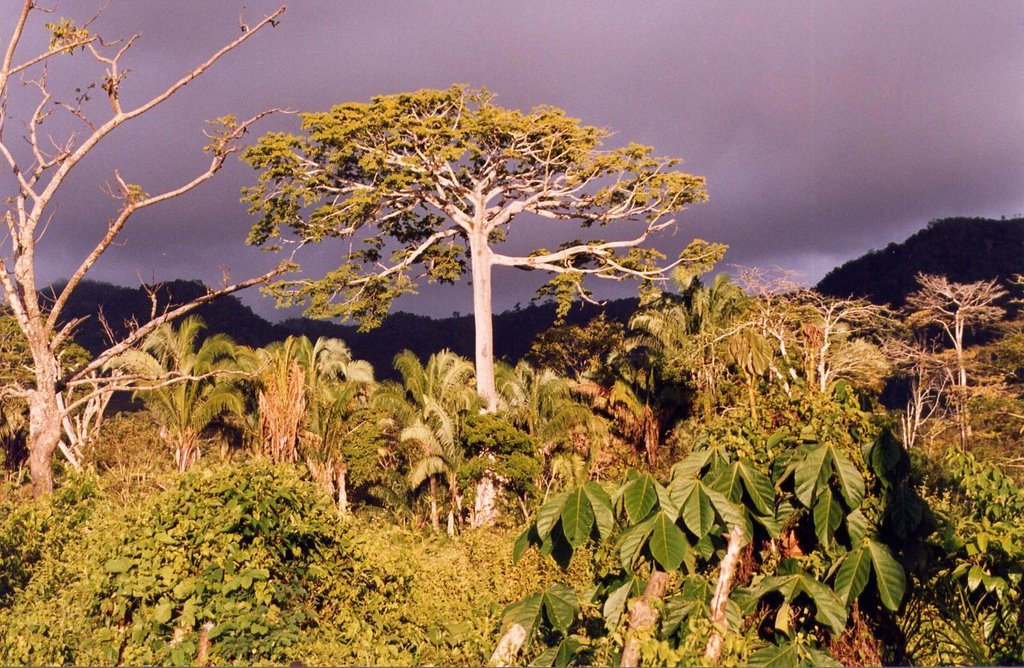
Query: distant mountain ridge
point(962, 249)
point(514, 331)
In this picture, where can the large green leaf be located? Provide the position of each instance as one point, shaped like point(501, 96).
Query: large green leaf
point(525, 612)
point(889, 575)
point(885, 453)
point(853, 574)
point(667, 543)
point(567, 651)
point(904, 511)
point(601, 504)
point(548, 514)
point(851, 482)
point(812, 471)
point(697, 512)
point(828, 515)
point(632, 541)
point(733, 513)
point(577, 517)
point(828, 608)
point(560, 606)
point(639, 497)
point(615, 604)
point(522, 544)
point(775, 656)
point(759, 487)
point(691, 466)
point(857, 525)
point(727, 481)
point(680, 489)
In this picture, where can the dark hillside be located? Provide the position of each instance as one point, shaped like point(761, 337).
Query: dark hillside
point(514, 331)
point(962, 249)
point(121, 306)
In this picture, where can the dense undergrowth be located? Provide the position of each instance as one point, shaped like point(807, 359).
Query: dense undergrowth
point(254, 559)
point(801, 461)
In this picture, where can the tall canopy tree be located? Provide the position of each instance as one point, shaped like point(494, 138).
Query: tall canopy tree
point(39, 150)
point(425, 181)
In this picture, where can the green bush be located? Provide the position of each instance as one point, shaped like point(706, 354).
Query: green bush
point(244, 550)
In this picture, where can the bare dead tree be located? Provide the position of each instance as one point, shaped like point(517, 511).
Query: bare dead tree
point(39, 172)
point(835, 338)
point(955, 307)
point(927, 381)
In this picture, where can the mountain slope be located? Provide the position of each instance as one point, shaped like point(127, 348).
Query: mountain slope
point(962, 249)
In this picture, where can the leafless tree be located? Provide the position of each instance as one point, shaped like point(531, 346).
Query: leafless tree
point(38, 165)
point(927, 380)
point(955, 307)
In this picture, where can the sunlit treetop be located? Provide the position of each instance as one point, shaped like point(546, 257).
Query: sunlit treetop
point(443, 171)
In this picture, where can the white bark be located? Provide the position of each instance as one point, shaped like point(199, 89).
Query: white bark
point(508, 647)
point(720, 600)
point(483, 319)
point(36, 181)
point(643, 618)
point(485, 506)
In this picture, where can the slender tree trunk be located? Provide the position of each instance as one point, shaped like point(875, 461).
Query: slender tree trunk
point(44, 417)
point(483, 320)
point(43, 437)
point(727, 572)
point(343, 488)
point(643, 617)
point(434, 522)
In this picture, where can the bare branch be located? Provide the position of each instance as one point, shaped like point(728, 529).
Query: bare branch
point(135, 201)
point(139, 334)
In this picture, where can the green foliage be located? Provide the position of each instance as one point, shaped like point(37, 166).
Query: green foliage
point(407, 167)
point(186, 387)
point(576, 351)
point(247, 550)
point(821, 497)
point(967, 607)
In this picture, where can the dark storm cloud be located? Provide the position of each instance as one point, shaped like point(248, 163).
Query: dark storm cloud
point(824, 128)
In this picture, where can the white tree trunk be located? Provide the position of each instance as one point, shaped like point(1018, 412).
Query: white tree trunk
point(483, 321)
point(485, 506)
point(343, 489)
point(643, 617)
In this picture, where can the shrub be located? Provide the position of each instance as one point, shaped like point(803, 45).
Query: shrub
point(244, 551)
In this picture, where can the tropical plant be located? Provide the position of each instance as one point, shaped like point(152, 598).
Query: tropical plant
point(804, 515)
point(306, 391)
point(184, 387)
point(431, 403)
point(966, 608)
point(687, 334)
point(544, 405)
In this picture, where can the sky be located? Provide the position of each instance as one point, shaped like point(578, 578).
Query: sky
point(825, 129)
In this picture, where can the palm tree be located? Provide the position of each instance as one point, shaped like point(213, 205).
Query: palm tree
point(306, 391)
point(185, 388)
point(688, 334)
point(541, 403)
point(431, 402)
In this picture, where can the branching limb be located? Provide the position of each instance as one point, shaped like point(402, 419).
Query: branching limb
point(139, 334)
point(135, 201)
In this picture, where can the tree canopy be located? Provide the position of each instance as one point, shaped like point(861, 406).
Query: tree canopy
point(416, 184)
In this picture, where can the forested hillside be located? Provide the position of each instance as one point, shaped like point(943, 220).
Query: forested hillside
point(962, 249)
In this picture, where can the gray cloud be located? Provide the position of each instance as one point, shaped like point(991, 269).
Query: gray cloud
point(824, 128)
